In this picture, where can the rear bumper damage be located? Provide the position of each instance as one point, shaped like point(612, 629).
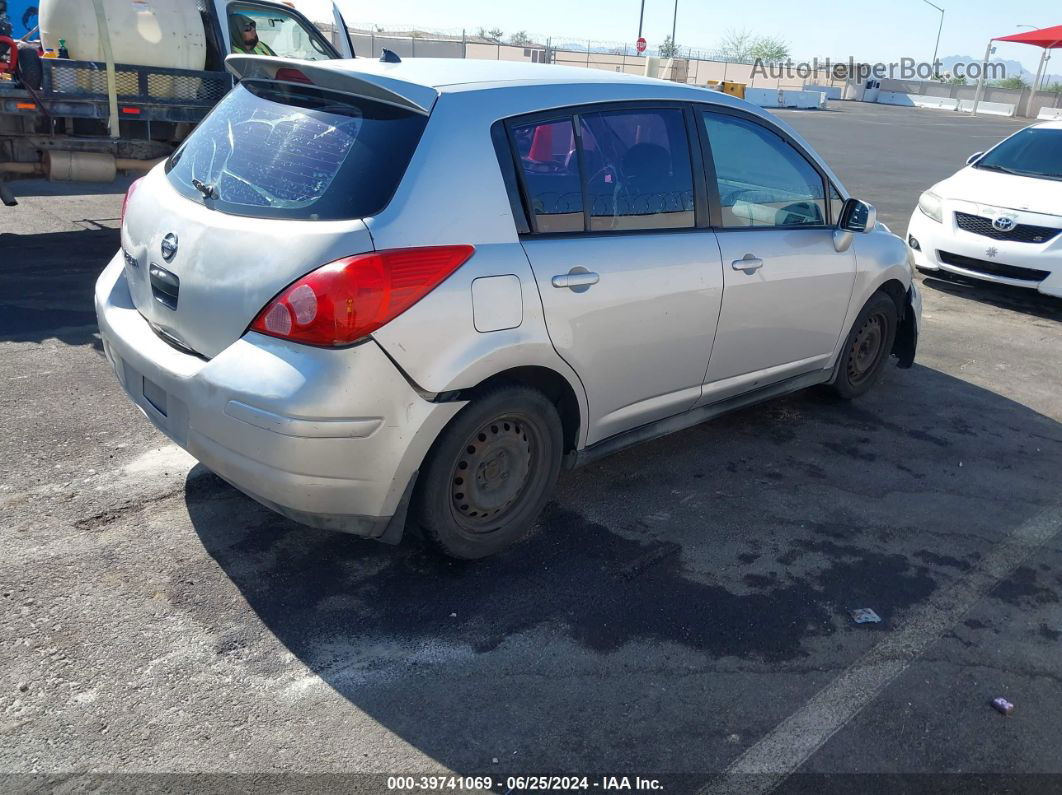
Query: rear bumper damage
point(329, 438)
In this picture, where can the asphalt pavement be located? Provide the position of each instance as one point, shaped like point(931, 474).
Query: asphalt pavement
point(681, 613)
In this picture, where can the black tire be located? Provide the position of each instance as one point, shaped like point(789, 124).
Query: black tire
point(867, 348)
point(489, 474)
point(29, 70)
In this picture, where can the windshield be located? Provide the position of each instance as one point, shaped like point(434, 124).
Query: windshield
point(1034, 152)
point(285, 151)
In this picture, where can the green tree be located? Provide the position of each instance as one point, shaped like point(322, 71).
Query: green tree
point(743, 47)
point(949, 79)
point(736, 45)
point(1009, 82)
point(494, 34)
point(520, 39)
point(668, 49)
point(769, 49)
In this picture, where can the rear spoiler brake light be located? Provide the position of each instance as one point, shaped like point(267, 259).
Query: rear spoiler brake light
point(343, 77)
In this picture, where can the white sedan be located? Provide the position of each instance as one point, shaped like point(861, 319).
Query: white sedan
point(1000, 218)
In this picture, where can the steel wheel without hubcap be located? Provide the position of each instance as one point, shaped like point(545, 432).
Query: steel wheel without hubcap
point(867, 348)
point(492, 472)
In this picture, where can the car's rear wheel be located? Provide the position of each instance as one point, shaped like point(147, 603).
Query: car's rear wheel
point(867, 348)
point(490, 473)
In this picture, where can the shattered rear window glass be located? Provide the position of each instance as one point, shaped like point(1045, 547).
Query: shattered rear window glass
point(281, 151)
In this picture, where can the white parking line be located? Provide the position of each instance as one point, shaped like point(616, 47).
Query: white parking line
point(778, 754)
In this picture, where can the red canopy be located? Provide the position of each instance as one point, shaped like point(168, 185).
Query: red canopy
point(1048, 38)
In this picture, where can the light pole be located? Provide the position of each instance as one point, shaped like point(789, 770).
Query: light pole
point(989, 50)
point(674, 22)
point(936, 47)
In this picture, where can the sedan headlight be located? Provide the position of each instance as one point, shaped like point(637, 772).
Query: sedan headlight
point(929, 203)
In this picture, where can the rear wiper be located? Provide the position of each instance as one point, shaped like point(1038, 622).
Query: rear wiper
point(208, 191)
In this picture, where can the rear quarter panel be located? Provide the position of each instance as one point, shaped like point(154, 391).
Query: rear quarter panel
point(453, 193)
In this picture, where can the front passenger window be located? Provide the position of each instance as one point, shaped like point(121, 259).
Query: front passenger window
point(763, 181)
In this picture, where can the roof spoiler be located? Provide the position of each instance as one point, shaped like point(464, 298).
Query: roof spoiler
point(381, 88)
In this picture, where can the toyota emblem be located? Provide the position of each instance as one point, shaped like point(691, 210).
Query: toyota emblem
point(169, 247)
point(1003, 223)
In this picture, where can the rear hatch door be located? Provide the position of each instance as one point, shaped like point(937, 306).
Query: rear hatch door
point(272, 185)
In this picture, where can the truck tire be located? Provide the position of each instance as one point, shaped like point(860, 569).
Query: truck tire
point(29, 70)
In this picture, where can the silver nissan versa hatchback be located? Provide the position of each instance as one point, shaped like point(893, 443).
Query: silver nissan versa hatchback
point(374, 295)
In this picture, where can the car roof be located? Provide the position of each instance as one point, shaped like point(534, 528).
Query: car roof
point(417, 83)
point(1050, 125)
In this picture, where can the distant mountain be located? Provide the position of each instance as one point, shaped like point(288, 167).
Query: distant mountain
point(1014, 68)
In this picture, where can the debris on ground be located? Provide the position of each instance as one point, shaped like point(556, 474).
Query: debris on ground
point(1002, 706)
point(864, 615)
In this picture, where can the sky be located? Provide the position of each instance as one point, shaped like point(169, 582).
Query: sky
point(869, 31)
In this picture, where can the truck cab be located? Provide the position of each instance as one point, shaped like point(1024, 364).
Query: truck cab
point(280, 28)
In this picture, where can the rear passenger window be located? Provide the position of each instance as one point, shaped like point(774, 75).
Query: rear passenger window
point(763, 181)
point(550, 164)
point(636, 166)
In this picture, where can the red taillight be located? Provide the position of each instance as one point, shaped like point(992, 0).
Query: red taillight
point(350, 298)
point(292, 75)
point(128, 195)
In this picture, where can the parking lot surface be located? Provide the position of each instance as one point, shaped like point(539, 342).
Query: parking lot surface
point(681, 612)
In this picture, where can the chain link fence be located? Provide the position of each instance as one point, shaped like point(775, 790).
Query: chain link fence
point(690, 65)
point(686, 65)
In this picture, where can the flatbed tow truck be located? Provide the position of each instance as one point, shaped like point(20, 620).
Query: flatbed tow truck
point(86, 121)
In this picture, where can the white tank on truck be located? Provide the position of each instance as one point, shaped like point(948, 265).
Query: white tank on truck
point(163, 33)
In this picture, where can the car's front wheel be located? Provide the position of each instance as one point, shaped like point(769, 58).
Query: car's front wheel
point(490, 473)
point(867, 348)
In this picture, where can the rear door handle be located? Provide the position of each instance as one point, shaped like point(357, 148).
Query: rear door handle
point(575, 279)
point(748, 263)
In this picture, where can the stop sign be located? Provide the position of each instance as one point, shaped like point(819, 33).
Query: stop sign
point(640, 45)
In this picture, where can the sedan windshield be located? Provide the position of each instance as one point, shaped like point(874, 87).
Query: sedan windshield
point(1034, 152)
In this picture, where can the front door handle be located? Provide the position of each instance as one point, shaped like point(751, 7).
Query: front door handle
point(748, 263)
point(577, 279)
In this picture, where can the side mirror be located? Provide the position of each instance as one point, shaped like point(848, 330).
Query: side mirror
point(973, 158)
point(858, 216)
